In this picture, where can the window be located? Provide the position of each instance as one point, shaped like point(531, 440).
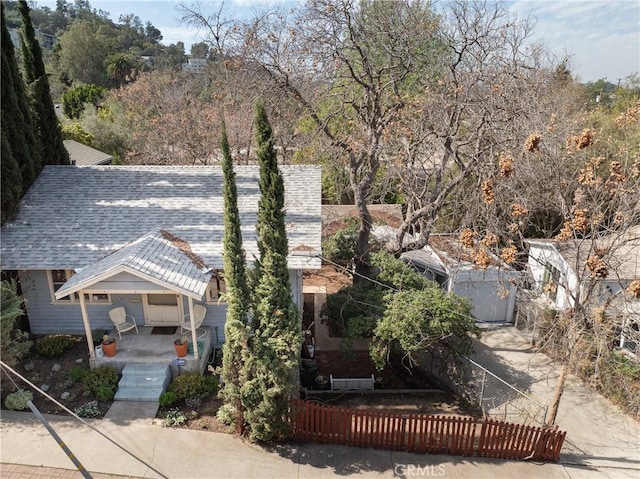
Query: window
point(97, 298)
point(162, 299)
point(57, 277)
point(216, 288)
point(550, 281)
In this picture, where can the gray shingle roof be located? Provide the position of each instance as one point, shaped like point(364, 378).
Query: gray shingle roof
point(83, 155)
point(154, 256)
point(72, 216)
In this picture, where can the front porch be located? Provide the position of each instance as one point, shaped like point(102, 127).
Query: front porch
point(150, 348)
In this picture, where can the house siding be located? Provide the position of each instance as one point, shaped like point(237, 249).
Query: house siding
point(46, 317)
point(539, 256)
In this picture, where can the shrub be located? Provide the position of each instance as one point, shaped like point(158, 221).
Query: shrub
point(14, 343)
point(77, 374)
point(193, 403)
point(620, 381)
point(54, 345)
point(175, 417)
point(106, 393)
point(341, 246)
point(167, 399)
point(193, 385)
point(227, 414)
point(97, 335)
point(88, 409)
point(18, 400)
point(101, 382)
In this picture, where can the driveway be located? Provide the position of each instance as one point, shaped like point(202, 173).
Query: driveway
point(598, 434)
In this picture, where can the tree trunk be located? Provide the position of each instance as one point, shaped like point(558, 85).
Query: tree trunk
point(363, 256)
point(553, 413)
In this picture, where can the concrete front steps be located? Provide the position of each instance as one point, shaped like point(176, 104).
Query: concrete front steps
point(143, 382)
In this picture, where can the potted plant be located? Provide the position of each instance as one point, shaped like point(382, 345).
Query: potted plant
point(181, 344)
point(108, 345)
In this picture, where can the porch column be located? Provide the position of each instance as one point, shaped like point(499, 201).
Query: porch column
point(87, 326)
point(194, 333)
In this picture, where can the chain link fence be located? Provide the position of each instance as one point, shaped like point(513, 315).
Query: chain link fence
point(481, 388)
point(500, 400)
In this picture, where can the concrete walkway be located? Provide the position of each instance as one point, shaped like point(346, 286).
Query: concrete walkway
point(598, 434)
point(603, 443)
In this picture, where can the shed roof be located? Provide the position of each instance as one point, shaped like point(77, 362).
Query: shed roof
point(83, 155)
point(73, 216)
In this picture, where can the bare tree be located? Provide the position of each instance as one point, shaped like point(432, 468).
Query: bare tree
point(349, 66)
point(451, 136)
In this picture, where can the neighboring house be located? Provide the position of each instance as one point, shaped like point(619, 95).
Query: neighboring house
point(491, 290)
point(195, 65)
point(149, 238)
point(46, 40)
point(83, 155)
point(560, 278)
point(559, 273)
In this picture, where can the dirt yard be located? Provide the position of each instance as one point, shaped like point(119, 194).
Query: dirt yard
point(54, 374)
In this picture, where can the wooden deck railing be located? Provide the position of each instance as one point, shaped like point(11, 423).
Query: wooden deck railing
point(423, 433)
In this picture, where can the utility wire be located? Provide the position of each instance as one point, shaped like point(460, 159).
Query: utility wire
point(390, 288)
point(6, 368)
point(54, 434)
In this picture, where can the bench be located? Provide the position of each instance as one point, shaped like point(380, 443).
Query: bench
point(359, 384)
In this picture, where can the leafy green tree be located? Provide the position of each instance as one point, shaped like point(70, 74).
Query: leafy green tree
point(171, 57)
point(235, 349)
point(401, 311)
point(110, 129)
point(37, 82)
point(14, 343)
point(74, 99)
point(83, 50)
point(152, 34)
point(74, 131)
point(17, 123)
point(119, 67)
point(277, 337)
point(423, 320)
point(199, 50)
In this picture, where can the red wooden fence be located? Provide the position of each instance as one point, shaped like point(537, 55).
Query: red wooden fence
point(423, 433)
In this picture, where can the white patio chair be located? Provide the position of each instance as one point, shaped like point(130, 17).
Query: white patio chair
point(199, 313)
point(122, 321)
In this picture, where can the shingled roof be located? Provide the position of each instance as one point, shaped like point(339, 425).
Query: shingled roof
point(73, 216)
point(158, 256)
point(83, 155)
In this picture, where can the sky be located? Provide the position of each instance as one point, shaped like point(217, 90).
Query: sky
point(600, 37)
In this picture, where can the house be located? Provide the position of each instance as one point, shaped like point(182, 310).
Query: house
point(490, 289)
point(560, 276)
point(559, 272)
point(195, 65)
point(149, 238)
point(83, 155)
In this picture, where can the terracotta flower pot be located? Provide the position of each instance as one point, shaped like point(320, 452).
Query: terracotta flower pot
point(181, 349)
point(109, 349)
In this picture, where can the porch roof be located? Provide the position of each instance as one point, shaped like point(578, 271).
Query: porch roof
point(158, 257)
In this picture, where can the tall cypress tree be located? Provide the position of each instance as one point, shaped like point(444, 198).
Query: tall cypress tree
point(277, 337)
point(11, 178)
point(235, 349)
point(39, 92)
point(16, 118)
